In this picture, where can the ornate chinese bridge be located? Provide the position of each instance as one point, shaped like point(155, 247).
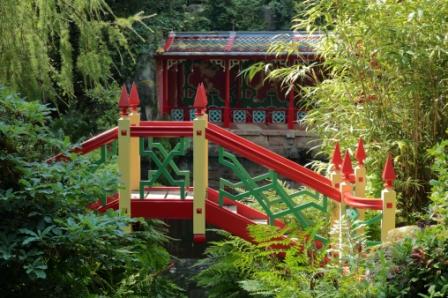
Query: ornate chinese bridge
point(217, 58)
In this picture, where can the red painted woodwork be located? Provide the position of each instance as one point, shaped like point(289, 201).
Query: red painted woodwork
point(291, 110)
point(362, 203)
point(389, 172)
point(227, 95)
point(336, 158)
point(123, 103)
point(159, 82)
point(271, 160)
point(169, 41)
point(134, 98)
point(347, 168)
point(200, 100)
point(165, 107)
point(360, 153)
point(162, 131)
point(234, 223)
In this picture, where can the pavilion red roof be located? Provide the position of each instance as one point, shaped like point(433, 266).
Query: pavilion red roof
point(233, 43)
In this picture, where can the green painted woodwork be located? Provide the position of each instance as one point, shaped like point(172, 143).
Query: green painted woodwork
point(106, 153)
point(258, 116)
point(278, 117)
point(282, 205)
point(215, 116)
point(166, 168)
point(239, 116)
point(177, 114)
point(353, 214)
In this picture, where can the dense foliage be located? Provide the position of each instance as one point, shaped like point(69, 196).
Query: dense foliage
point(386, 83)
point(51, 244)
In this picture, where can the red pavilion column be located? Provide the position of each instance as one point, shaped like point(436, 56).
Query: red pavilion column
point(291, 113)
point(166, 107)
point(227, 96)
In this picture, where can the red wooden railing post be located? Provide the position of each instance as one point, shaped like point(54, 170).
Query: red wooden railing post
point(291, 118)
point(227, 94)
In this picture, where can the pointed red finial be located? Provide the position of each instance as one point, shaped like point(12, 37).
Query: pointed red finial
point(389, 172)
point(360, 153)
point(123, 103)
point(336, 158)
point(134, 99)
point(200, 101)
point(347, 168)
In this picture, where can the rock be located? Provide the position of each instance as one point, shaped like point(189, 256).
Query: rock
point(401, 233)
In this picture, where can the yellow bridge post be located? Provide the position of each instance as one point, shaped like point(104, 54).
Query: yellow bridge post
point(124, 155)
point(336, 178)
point(360, 177)
point(388, 195)
point(134, 117)
point(200, 165)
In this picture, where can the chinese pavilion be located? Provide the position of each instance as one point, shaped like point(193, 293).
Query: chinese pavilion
point(216, 59)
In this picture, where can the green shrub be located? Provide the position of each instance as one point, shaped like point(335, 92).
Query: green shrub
point(51, 243)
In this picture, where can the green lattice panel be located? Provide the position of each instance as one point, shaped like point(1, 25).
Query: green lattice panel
point(251, 187)
point(300, 116)
point(177, 114)
point(192, 114)
point(163, 161)
point(106, 153)
point(279, 117)
point(215, 116)
point(258, 116)
point(239, 116)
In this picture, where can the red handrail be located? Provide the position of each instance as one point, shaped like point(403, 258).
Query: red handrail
point(89, 145)
point(271, 160)
point(97, 141)
point(159, 130)
point(362, 203)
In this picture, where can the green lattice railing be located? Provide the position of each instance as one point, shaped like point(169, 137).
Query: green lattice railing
point(250, 187)
point(353, 214)
point(106, 152)
point(166, 167)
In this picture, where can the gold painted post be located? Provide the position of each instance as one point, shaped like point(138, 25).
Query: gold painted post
point(336, 178)
point(124, 155)
point(134, 117)
point(200, 164)
point(388, 195)
point(360, 176)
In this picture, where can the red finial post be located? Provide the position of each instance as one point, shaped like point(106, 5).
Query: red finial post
point(360, 154)
point(347, 168)
point(134, 99)
point(200, 101)
point(336, 158)
point(123, 103)
point(389, 172)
